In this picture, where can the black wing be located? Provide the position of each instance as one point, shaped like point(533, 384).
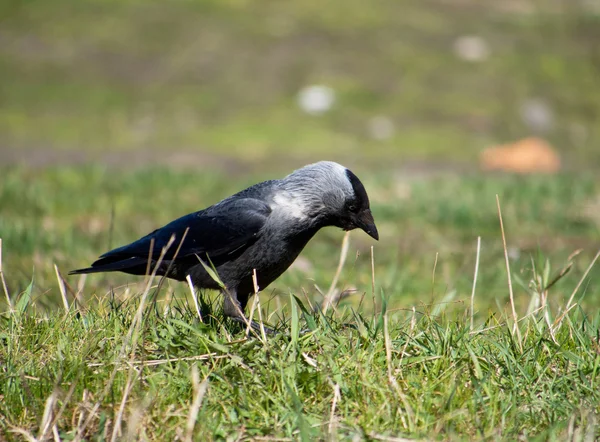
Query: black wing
point(217, 232)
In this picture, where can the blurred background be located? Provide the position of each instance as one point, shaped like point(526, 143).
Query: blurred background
point(194, 82)
point(95, 95)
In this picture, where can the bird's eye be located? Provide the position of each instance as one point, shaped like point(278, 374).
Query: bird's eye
point(351, 207)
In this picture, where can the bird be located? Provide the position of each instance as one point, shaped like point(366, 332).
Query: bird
point(261, 230)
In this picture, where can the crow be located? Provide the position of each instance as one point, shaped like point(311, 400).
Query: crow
point(261, 229)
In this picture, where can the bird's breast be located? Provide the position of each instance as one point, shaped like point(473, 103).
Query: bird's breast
point(270, 256)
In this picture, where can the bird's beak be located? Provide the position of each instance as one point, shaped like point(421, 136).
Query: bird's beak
point(365, 221)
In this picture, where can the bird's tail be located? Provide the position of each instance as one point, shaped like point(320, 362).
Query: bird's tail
point(133, 265)
point(84, 271)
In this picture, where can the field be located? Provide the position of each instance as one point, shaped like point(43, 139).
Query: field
point(401, 359)
point(121, 116)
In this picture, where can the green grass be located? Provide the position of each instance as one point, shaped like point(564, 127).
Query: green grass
point(447, 381)
point(212, 84)
point(350, 376)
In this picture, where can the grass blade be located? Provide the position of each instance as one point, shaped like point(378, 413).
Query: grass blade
point(24, 299)
point(295, 321)
point(515, 328)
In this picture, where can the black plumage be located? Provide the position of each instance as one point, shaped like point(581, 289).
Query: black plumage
point(262, 228)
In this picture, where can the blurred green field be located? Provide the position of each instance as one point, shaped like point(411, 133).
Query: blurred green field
point(69, 216)
point(92, 77)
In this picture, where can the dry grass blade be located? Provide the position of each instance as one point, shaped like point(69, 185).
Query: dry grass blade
point(272, 439)
point(199, 392)
point(62, 288)
point(329, 297)
point(563, 272)
point(570, 304)
point(55, 433)
point(80, 287)
point(171, 261)
point(150, 255)
point(516, 329)
point(48, 416)
point(475, 280)
point(437, 255)
point(26, 434)
point(82, 416)
point(254, 302)
point(413, 324)
point(154, 362)
point(373, 279)
point(188, 278)
point(130, 338)
point(4, 287)
point(62, 409)
point(388, 348)
point(212, 272)
point(117, 425)
point(587, 271)
point(390, 438)
point(138, 314)
point(257, 298)
point(391, 379)
point(332, 420)
point(544, 293)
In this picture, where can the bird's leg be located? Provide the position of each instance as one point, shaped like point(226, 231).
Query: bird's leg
point(233, 309)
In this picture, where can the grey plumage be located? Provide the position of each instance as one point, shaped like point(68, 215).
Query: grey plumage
point(263, 227)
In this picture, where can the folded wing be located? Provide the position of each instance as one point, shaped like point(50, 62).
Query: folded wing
point(219, 233)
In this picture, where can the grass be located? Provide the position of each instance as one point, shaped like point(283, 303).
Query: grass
point(401, 360)
point(404, 353)
point(107, 371)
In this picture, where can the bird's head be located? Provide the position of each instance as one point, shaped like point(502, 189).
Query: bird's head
point(328, 194)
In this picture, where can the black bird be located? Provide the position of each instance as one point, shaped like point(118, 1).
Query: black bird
point(262, 228)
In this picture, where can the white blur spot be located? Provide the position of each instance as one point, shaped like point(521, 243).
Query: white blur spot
point(289, 207)
point(316, 99)
point(471, 48)
point(537, 115)
point(514, 253)
point(381, 128)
